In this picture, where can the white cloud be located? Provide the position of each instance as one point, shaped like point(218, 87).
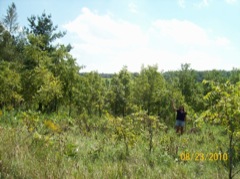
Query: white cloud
point(183, 32)
point(181, 3)
point(105, 44)
point(222, 41)
point(203, 3)
point(104, 37)
point(132, 7)
point(230, 1)
point(103, 31)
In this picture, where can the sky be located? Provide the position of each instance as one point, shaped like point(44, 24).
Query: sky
point(109, 34)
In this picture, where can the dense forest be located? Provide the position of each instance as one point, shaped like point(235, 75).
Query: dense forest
point(56, 121)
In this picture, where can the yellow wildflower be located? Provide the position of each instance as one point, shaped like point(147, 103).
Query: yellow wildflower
point(49, 124)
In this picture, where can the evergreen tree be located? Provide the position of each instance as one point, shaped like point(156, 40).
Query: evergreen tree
point(10, 19)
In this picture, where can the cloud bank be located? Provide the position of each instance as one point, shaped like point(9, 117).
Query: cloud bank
point(106, 44)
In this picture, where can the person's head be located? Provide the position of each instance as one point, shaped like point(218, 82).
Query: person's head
point(181, 108)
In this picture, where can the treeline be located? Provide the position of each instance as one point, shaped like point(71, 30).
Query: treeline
point(38, 74)
point(199, 75)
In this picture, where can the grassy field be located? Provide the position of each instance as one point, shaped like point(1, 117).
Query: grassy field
point(43, 148)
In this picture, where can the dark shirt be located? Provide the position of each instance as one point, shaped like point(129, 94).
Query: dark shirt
point(181, 115)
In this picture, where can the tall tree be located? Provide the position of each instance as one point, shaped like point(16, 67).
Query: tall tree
point(70, 79)
point(120, 94)
point(10, 85)
point(35, 56)
point(191, 90)
point(235, 75)
point(10, 20)
point(6, 48)
point(226, 111)
point(9, 45)
point(187, 81)
point(127, 84)
point(149, 89)
point(49, 88)
point(43, 26)
point(93, 93)
point(57, 67)
point(53, 60)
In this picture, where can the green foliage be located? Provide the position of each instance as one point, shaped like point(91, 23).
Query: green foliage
point(71, 81)
point(43, 26)
point(30, 120)
point(225, 110)
point(42, 87)
point(92, 93)
point(219, 76)
point(133, 128)
point(190, 89)
point(10, 20)
point(124, 130)
point(120, 93)
point(34, 55)
point(50, 88)
point(149, 89)
point(93, 126)
point(10, 85)
point(8, 46)
point(235, 75)
point(44, 153)
point(224, 100)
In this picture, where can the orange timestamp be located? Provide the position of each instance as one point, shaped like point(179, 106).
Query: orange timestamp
point(200, 156)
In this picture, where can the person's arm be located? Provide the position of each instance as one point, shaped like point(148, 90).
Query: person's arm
point(185, 121)
point(173, 106)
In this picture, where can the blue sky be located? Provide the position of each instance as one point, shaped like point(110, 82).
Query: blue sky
point(108, 34)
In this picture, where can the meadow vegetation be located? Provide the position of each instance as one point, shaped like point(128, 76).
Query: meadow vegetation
point(56, 122)
point(46, 148)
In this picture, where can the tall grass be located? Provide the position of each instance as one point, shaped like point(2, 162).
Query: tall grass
point(75, 153)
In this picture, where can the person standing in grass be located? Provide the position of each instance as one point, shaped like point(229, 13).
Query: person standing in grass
point(180, 119)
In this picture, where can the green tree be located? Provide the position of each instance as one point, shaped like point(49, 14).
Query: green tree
point(5, 45)
point(9, 46)
point(225, 111)
point(93, 93)
point(70, 78)
point(10, 85)
point(190, 88)
point(127, 84)
point(43, 26)
point(235, 75)
point(48, 88)
point(187, 82)
point(10, 19)
point(34, 60)
point(120, 94)
point(149, 89)
point(11, 40)
point(34, 55)
point(58, 66)
point(220, 76)
point(40, 87)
